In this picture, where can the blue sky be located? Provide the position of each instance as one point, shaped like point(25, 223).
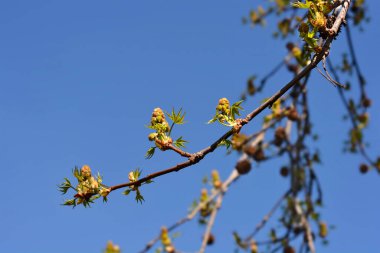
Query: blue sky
point(79, 80)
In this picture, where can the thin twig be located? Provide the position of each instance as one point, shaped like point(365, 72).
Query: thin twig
point(210, 223)
point(352, 115)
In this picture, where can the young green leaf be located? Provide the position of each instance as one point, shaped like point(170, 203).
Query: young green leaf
point(180, 143)
point(235, 109)
point(149, 154)
point(177, 118)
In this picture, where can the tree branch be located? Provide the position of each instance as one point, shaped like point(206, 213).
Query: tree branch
point(196, 157)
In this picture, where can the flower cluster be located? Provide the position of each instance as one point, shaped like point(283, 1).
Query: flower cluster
point(88, 188)
point(158, 122)
point(161, 136)
point(226, 113)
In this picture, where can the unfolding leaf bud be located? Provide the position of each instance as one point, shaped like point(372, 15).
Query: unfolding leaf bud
point(297, 52)
point(165, 239)
point(363, 168)
point(318, 20)
point(152, 136)
point(112, 248)
point(303, 28)
point(204, 195)
point(85, 171)
point(104, 192)
point(253, 247)
point(170, 249)
point(243, 166)
point(323, 229)
point(215, 179)
point(223, 106)
point(93, 183)
point(131, 177)
point(158, 116)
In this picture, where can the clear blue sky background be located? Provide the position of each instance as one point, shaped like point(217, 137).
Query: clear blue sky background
point(79, 80)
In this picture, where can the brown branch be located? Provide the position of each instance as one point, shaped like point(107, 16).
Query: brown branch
point(178, 150)
point(210, 223)
point(196, 157)
point(355, 61)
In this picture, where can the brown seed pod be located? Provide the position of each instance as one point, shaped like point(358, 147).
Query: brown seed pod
point(289, 46)
point(279, 136)
point(259, 155)
point(366, 102)
point(289, 249)
point(293, 114)
point(284, 171)
point(210, 239)
point(363, 168)
point(243, 166)
point(249, 150)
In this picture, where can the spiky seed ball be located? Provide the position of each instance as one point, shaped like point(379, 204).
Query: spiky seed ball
point(366, 102)
point(363, 168)
point(293, 114)
point(279, 136)
point(249, 150)
point(289, 46)
point(259, 155)
point(243, 166)
point(284, 171)
point(289, 249)
point(210, 239)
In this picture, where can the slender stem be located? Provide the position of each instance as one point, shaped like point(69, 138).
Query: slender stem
point(210, 223)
